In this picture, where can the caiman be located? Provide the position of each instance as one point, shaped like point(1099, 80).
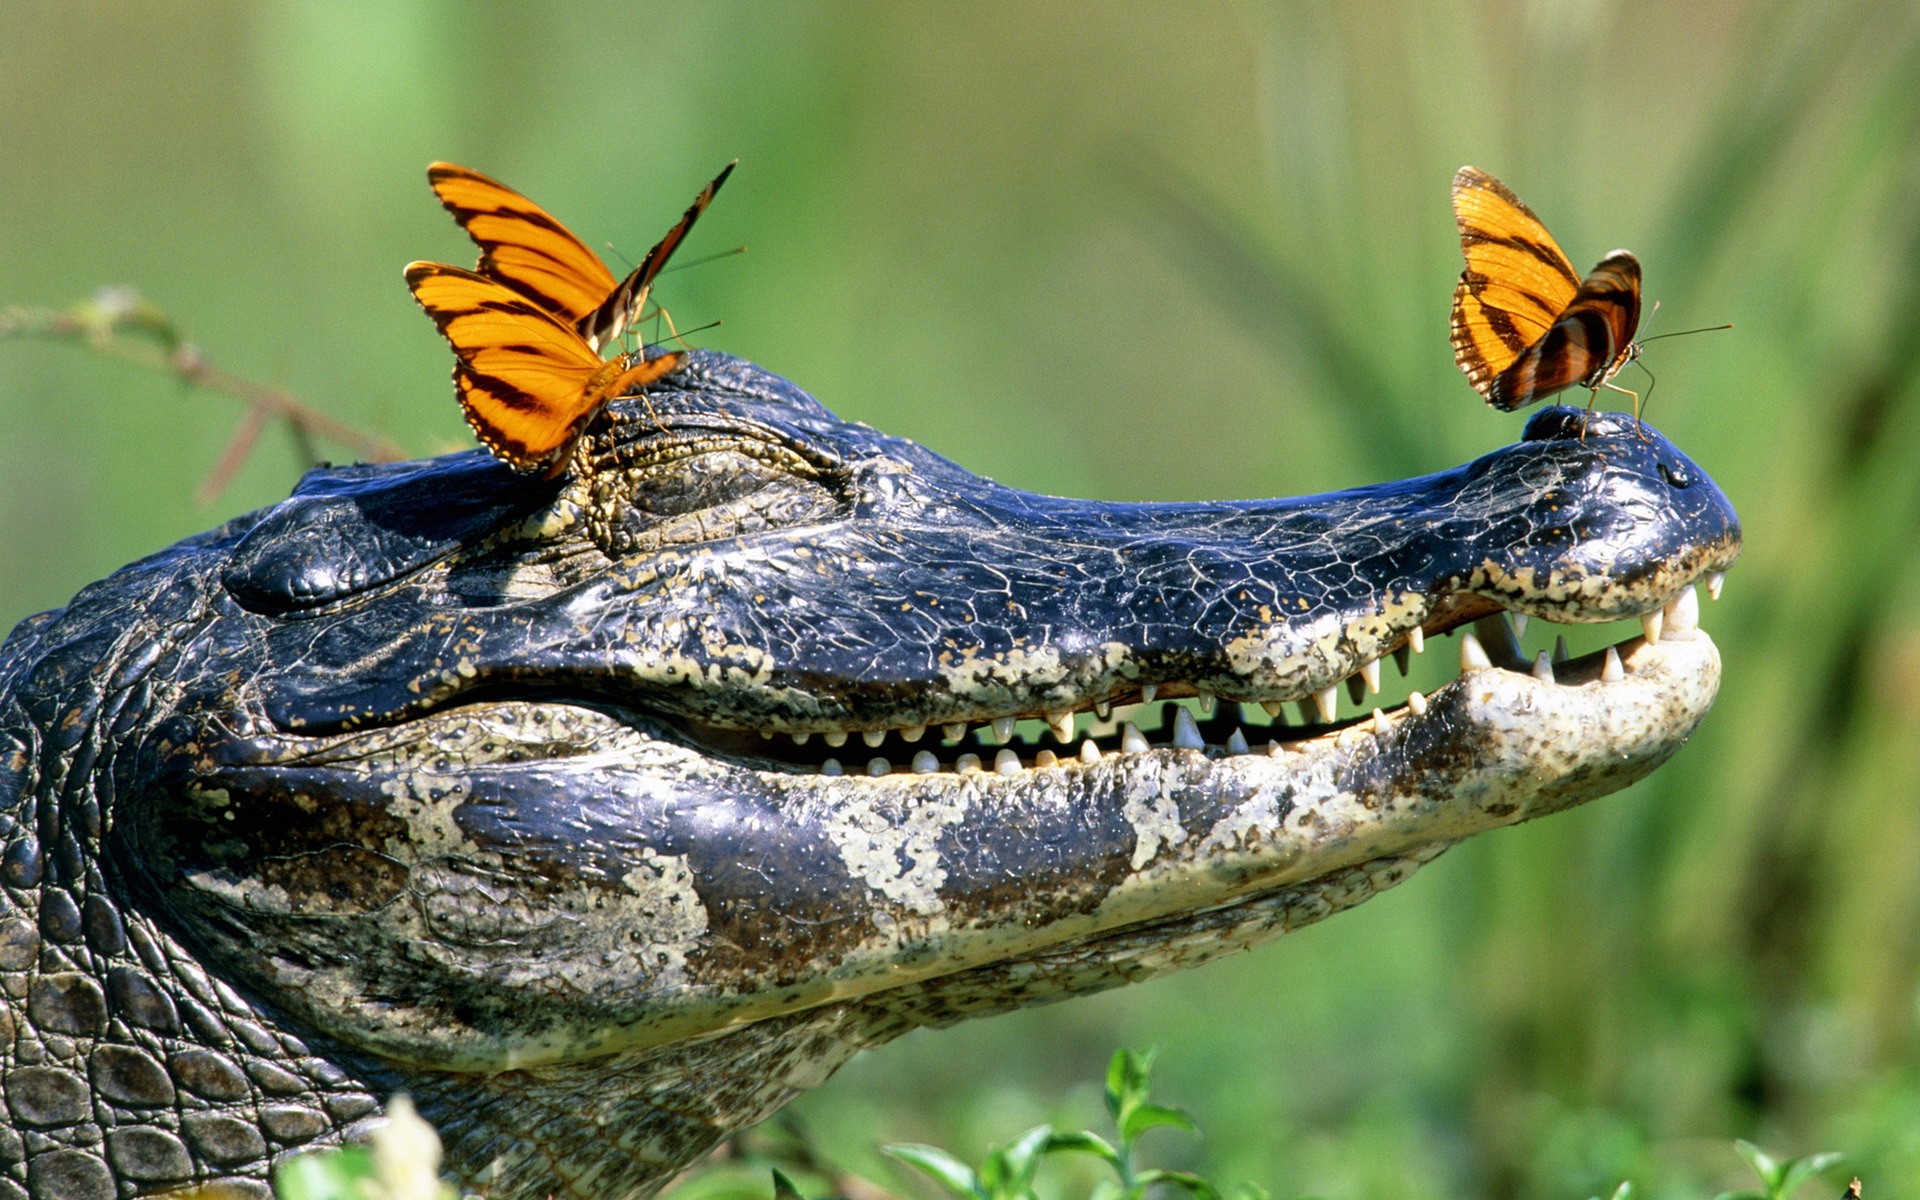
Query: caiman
point(604, 815)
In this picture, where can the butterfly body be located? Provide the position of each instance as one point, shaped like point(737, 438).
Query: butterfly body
point(1525, 325)
point(528, 323)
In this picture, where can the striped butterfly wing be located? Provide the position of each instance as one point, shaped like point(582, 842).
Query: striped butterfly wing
point(626, 302)
point(1591, 339)
point(1525, 325)
point(521, 245)
point(527, 381)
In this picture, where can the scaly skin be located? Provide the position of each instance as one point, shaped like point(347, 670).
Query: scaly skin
point(436, 778)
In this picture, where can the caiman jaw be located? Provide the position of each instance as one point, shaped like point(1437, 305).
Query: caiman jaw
point(1638, 673)
point(768, 732)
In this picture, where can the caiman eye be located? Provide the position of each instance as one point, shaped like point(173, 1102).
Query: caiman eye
point(705, 491)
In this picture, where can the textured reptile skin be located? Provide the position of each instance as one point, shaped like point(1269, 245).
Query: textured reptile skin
point(437, 778)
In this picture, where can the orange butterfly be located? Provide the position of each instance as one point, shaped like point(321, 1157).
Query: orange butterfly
point(522, 246)
point(529, 374)
point(1524, 324)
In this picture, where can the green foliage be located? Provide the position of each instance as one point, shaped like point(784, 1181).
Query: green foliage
point(1007, 1172)
point(344, 1174)
point(1779, 1178)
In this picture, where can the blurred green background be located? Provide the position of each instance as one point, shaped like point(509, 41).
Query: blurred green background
point(1149, 252)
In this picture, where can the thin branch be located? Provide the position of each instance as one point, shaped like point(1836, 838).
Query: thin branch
point(120, 323)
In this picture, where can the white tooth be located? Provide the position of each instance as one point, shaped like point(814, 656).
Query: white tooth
point(1371, 673)
point(1089, 753)
point(1683, 611)
point(967, 762)
point(1045, 758)
point(836, 739)
point(1204, 702)
point(1519, 624)
point(913, 733)
point(1132, 741)
point(1610, 670)
point(1560, 647)
point(1275, 749)
point(925, 763)
point(1714, 581)
point(1326, 702)
point(1417, 639)
point(1002, 731)
point(1543, 667)
point(954, 732)
point(1274, 708)
point(1102, 709)
point(831, 767)
point(1380, 722)
point(766, 733)
point(1006, 762)
point(1186, 735)
point(1416, 703)
point(1403, 658)
point(873, 737)
point(878, 766)
point(1472, 655)
point(1356, 688)
point(1651, 624)
point(1236, 742)
point(1062, 726)
point(1148, 691)
point(800, 739)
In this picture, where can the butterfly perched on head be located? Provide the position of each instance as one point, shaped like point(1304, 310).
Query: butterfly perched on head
point(527, 326)
point(1525, 325)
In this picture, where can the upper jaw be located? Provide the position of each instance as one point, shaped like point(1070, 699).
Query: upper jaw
point(953, 601)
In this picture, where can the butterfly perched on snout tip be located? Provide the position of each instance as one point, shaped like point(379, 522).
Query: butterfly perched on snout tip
point(1525, 324)
point(528, 324)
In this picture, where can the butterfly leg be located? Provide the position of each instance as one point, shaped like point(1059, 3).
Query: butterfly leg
point(1614, 387)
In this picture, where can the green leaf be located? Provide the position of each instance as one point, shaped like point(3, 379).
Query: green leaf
point(1083, 1142)
point(955, 1175)
point(1152, 1116)
point(1763, 1165)
point(1187, 1181)
point(1249, 1191)
point(1022, 1157)
point(1796, 1171)
point(325, 1175)
point(1127, 1073)
point(783, 1188)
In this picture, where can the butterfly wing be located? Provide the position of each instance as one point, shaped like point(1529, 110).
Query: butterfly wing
point(1517, 281)
point(521, 245)
point(623, 306)
point(527, 381)
point(1590, 340)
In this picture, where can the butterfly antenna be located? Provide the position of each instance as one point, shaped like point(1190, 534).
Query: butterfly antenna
point(613, 253)
point(681, 335)
point(703, 260)
point(1685, 332)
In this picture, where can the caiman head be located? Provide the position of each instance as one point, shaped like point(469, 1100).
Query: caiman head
point(605, 814)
